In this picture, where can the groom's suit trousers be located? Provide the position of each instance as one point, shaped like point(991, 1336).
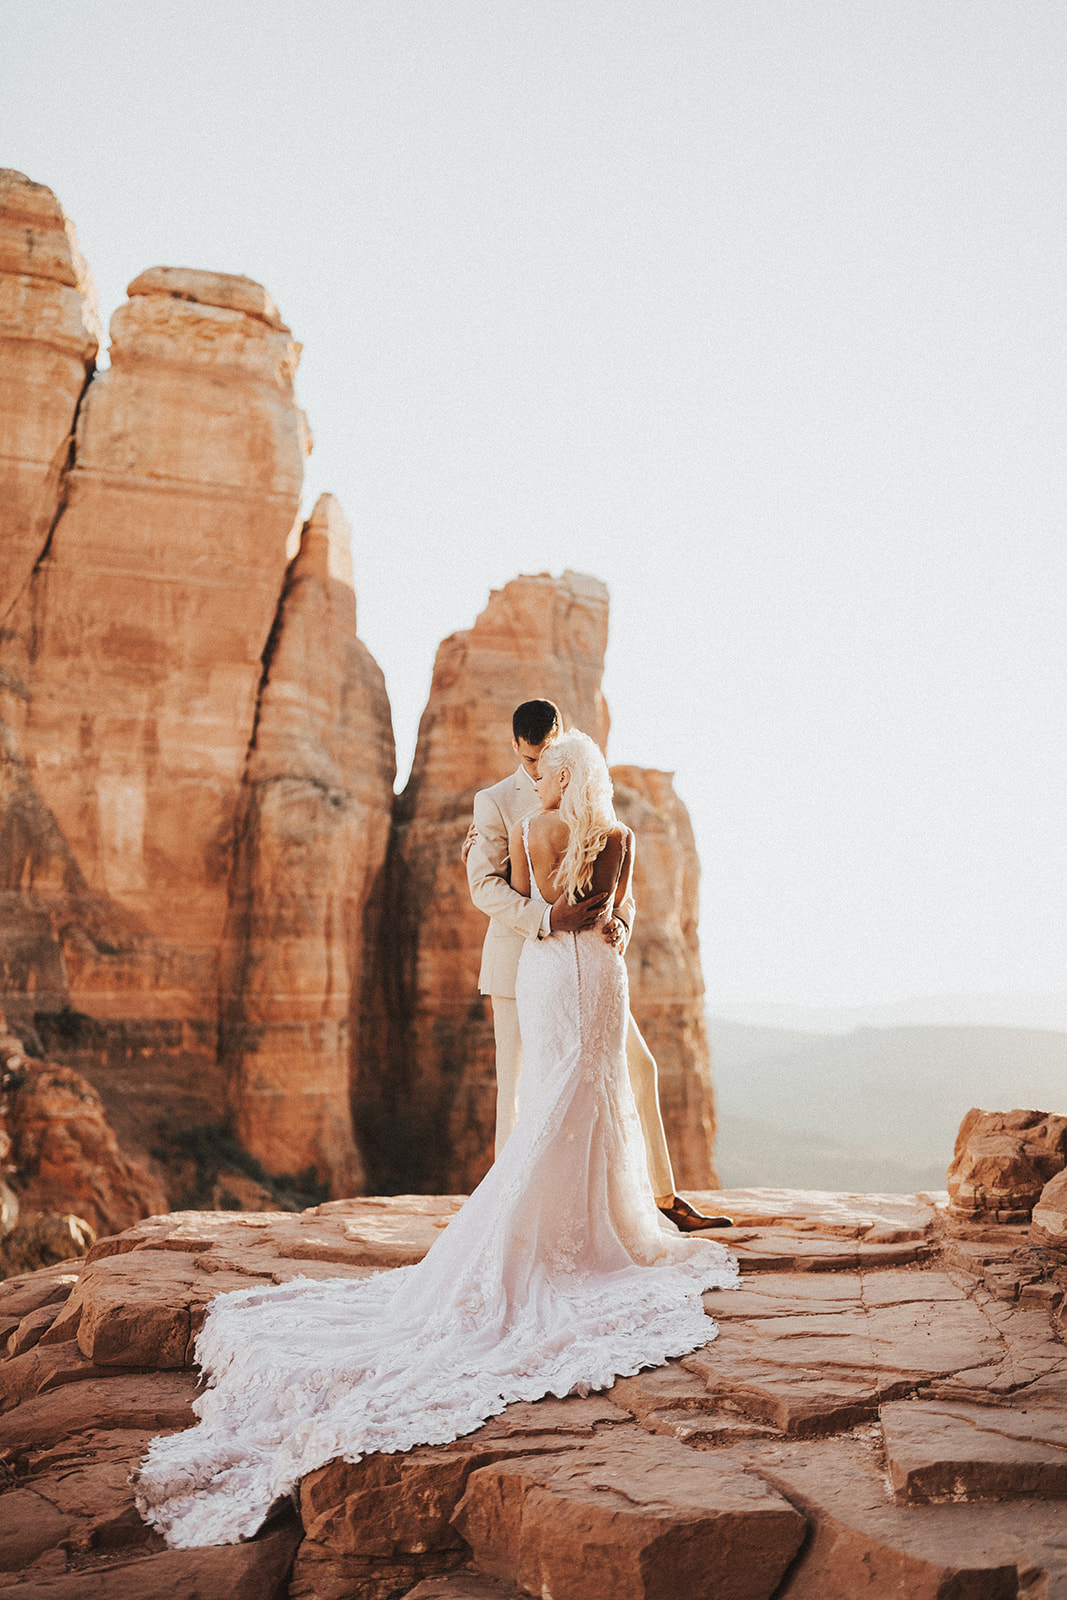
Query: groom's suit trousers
point(512, 920)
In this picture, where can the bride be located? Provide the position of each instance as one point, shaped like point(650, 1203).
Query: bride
point(557, 1276)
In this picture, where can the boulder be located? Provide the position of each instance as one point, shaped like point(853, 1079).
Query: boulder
point(391, 1507)
point(1002, 1161)
point(861, 1543)
point(311, 836)
point(1048, 1226)
point(258, 1570)
point(66, 1156)
point(156, 1401)
point(950, 1453)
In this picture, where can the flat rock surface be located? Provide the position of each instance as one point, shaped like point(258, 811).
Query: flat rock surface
point(890, 1420)
point(861, 1543)
point(944, 1452)
point(636, 1515)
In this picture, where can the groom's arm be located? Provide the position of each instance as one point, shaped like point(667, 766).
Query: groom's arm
point(487, 865)
point(624, 908)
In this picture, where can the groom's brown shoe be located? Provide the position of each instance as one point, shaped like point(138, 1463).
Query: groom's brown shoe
point(688, 1220)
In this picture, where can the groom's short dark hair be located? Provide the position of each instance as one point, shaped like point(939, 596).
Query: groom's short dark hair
point(536, 720)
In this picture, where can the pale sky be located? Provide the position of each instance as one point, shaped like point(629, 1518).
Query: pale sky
point(754, 310)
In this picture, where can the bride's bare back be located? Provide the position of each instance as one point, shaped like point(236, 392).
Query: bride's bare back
point(548, 838)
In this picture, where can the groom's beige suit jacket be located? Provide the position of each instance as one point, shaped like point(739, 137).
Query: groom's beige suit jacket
point(513, 918)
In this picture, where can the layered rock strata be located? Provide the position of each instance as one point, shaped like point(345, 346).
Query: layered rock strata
point(311, 838)
point(1048, 1224)
point(871, 1419)
point(1002, 1161)
point(138, 643)
point(146, 654)
point(663, 965)
point(428, 1111)
point(49, 336)
point(63, 1157)
point(196, 759)
point(195, 754)
point(429, 1122)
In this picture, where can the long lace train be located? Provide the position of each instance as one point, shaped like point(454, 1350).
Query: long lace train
point(556, 1276)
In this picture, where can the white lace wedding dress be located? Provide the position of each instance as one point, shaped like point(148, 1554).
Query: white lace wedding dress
point(557, 1275)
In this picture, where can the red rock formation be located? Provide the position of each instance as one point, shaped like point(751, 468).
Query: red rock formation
point(64, 1156)
point(311, 839)
point(663, 963)
point(1002, 1161)
point(865, 1392)
point(146, 658)
point(138, 660)
point(538, 637)
point(1048, 1226)
point(427, 1106)
point(195, 775)
point(49, 335)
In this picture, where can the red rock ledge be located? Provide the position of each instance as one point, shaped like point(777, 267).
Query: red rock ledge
point(884, 1413)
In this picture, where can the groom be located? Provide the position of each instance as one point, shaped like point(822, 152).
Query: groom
point(513, 918)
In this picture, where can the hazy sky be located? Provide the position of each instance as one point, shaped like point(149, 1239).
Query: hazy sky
point(753, 309)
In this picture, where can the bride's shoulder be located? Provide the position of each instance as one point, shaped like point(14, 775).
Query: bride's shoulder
point(549, 826)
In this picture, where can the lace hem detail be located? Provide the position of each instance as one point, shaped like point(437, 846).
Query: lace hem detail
point(556, 1277)
point(270, 1417)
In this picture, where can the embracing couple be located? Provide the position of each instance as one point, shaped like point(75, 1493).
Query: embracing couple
point(557, 1276)
point(515, 917)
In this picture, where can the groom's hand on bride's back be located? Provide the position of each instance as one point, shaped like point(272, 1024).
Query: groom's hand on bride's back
point(566, 918)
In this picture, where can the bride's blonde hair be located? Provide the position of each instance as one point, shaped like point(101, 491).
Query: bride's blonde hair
point(585, 806)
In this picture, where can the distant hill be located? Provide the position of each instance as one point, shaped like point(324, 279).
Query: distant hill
point(873, 1109)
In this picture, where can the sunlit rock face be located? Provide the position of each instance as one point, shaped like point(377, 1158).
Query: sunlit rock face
point(310, 842)
point(663, 964)
point(154, 604)
point(211, 905)
point(143, 628)
point(1002, 1162)
point(49, 336)
point(132, 651)
point(427, 1109)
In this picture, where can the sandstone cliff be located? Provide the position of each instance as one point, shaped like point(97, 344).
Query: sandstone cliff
point(59, 1150)
point(146, 648)
point(195, 749)
point(196, 762)
point(311, 839)
point(49, 336)
point(428, 1115)
point(663, 964)
point(427, 1111)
